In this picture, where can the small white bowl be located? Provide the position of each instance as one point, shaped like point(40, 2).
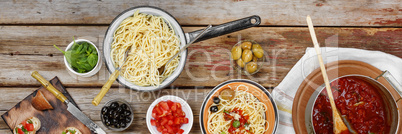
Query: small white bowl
point(94, 70)
point(185, 107)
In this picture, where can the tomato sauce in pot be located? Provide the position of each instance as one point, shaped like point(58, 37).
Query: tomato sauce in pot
point(356, 99)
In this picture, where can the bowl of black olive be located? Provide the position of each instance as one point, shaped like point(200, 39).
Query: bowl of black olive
point(117, 115)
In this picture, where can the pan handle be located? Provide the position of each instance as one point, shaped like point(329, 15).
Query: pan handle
point(226, 28)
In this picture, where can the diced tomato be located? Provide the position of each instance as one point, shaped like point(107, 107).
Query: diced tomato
point(20, 131)
point(177, 121)
point(154, 115)
point(153, 122)
point(181, 131)
point(164, 121)
point(168, 117)
point(159, 129)
point(169, 128)
point(170, 103)
point(164, 105)
point(158, 111)
point(174, 107)
point(29, 127)
point(170, 122)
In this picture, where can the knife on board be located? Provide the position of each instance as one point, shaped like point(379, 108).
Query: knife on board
point(70, 106)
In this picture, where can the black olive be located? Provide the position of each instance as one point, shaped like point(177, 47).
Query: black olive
point(117, 125)
point(114, 121)
point(122, 116)
point(123, 124)
point(105, 116)
point(116, 114)
point(214, 109)
point(107, 122)
point(105, 110)
point(127, 112)
point(128, 119)
point(119, 109)
point(216, 100)
point(124, 106)
point(114, 105)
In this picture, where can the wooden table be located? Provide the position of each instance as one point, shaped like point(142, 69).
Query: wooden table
point(29, 29)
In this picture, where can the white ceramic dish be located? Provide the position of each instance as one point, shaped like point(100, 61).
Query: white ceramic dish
point(185, 107)
point(94, 70)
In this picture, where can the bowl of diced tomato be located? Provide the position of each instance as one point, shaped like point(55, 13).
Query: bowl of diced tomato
point(169, 114)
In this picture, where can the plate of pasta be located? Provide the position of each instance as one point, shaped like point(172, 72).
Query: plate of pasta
point(238, 107)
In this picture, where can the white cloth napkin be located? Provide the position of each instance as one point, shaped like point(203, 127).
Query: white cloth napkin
point(285, 92)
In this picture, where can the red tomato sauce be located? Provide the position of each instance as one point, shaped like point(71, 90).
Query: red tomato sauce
point(243, 122)
point(356, 99)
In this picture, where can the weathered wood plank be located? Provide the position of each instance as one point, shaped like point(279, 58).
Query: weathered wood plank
point(323, 12)
point(137, 127)
point(140, 102)
point(208, 62)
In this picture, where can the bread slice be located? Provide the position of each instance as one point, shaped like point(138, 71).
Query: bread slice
point(36, 123)
point(73, 129)
point(39, 102)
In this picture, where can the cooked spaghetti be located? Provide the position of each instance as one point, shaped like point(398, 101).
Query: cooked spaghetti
point(244, 109)
point(152, 43)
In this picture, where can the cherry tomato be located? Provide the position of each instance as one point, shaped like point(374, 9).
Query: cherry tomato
point(29, 127)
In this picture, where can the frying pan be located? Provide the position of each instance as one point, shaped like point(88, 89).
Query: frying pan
point(184, 39)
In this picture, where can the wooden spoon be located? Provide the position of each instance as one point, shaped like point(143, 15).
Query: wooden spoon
point(339, 125)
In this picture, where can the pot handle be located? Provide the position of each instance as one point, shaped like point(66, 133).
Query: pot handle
point(226, 28)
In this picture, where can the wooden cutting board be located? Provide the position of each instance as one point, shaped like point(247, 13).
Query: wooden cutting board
point(52, 121)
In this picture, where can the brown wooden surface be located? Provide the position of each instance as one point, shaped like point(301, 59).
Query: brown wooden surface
point(201, 12)
point(28, 29)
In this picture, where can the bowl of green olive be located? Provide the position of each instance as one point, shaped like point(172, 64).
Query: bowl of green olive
point(247, 57)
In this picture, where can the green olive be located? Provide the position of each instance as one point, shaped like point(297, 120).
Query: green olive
point(255, 59)
point(236, 52)
point(257, 50)
point(240, 63)
point(247, 55)
point(251, 67)
point(246, 45)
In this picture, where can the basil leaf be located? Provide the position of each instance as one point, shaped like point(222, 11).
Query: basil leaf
point(72, 131)
point(59, 49)
point(64, 133)
point(29, 121)
point(84, 48)
point(24, 130)
point(16, 130)
point(79, 49)
point(92, 60)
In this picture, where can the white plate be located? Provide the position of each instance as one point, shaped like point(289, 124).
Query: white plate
point(185, 107)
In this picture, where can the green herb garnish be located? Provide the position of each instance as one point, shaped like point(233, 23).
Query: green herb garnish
point(236, 124)
point(225, 111)
point(24, 130)
point(16, 130)
point(223, 132)
point(72, 131)
point(29, 121)
point(64, 133)
point(82, 56)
